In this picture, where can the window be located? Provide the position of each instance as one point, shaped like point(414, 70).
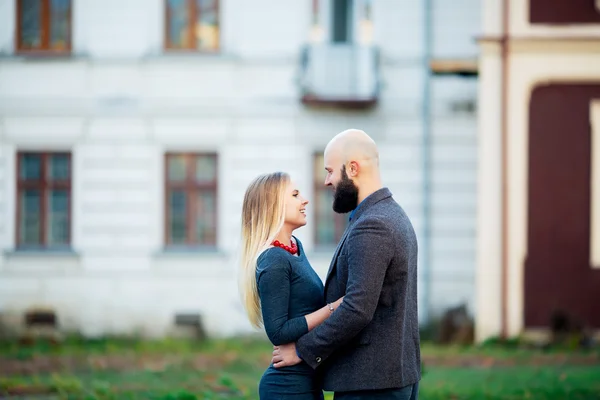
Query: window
point(329, 225)
point(44, 25)
point(43, 200)
point(191, 200)
point(342, 21)
point(192, 25)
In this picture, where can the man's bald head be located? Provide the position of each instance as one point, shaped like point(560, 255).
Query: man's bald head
point(354, 145)
point(352, 165)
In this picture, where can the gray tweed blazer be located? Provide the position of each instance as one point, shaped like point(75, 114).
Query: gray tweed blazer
point(372, 340)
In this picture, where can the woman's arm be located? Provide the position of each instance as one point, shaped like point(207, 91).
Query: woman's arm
point(316, 318)
point(274, 290)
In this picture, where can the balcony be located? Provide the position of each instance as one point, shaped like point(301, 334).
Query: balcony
point(342, 75)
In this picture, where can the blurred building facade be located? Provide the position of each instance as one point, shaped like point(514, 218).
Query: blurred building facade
point(539, 173)
point(129, 130)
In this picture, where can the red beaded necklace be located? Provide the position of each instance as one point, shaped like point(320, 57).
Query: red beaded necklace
point(293, 249)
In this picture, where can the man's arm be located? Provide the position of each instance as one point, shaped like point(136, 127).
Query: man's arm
point(370, 250)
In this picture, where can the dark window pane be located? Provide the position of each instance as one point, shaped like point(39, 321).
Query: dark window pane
point(31, 167)
point(207, 25)
point(178, 23)
point(31, 14)
point(60, 24)
point(330, 226)
point(319, 170)
point(324, 218)
point(206, 169)
point(59, 167)
point(342, 15)
point(177, 168)
point(205, 217)
point(58, 217)
point(177, 217)
point(30, 224)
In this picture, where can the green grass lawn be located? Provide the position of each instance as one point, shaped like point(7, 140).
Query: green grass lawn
point(231, 369)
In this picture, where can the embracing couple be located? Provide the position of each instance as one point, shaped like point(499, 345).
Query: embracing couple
point(357, 335)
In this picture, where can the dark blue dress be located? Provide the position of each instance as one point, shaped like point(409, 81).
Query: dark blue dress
point(289, 289)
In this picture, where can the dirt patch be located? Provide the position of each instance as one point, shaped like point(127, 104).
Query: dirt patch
point(469, 360)
point(205, 362)
point(28, 390)
point(113, 362)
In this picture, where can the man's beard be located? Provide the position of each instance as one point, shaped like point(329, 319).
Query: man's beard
point(345, 195)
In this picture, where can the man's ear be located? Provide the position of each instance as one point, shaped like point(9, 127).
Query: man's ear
point(353, 168)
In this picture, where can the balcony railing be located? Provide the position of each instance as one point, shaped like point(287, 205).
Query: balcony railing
point(341, 74)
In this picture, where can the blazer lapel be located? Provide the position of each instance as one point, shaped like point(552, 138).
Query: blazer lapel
point(370, 200)
point(335, 255)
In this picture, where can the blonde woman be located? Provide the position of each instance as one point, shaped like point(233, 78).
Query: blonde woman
point(280, 288)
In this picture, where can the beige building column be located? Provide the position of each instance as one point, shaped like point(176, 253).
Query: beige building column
point(489, 197)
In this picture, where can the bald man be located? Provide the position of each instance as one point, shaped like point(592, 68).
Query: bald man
point(369, 347)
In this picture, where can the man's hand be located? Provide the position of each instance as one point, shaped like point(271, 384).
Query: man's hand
point(285, 355)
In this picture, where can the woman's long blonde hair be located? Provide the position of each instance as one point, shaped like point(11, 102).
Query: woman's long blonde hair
point(263, 215)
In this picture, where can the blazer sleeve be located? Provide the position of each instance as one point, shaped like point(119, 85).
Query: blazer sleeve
point(370, 251)
point(273, 282)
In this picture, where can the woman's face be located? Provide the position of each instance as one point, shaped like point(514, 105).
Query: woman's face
point(295, 207)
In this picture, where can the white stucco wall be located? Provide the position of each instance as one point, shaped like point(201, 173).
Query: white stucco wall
point(119, 103)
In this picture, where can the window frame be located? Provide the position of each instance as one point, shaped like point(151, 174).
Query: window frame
point(339, 220)
point(44, 185)
point(45, 29)
point(190, 186)
point(193, 13)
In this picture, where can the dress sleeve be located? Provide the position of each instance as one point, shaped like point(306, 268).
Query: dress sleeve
point(274, 282)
